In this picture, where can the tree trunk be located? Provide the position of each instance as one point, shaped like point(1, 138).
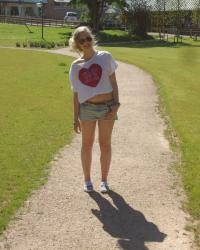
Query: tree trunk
point(138, 17)
point(96, 10)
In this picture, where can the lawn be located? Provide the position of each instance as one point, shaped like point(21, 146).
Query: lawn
point(175, 69)
point(37, 112)
point(36, 120)
point(12, 33)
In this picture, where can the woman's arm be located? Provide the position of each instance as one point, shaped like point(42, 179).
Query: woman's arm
point(115, 94)
point(115, 87)
point(76, 106)
point(77, 126)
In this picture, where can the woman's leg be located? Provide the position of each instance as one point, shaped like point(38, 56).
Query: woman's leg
point(88, 136)
point(105, 132)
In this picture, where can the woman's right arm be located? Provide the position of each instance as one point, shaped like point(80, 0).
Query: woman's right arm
point(76, 106)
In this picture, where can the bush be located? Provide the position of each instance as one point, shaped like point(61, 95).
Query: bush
point(24, 44)
point(60, 44)
point(37, 44)
point(47, 44)
point(31, 44)
point(17, 44)
point(108, 37)
point(42, 44)
point(53, 44)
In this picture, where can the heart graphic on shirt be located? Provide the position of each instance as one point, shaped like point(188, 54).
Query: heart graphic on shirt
point(91, 76)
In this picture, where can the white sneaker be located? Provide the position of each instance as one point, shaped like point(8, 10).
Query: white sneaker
point(88, 187)
point(104, 188)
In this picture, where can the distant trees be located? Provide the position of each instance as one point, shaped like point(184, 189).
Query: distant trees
point(95, 10)
point(196, 14)
point(138, 17)
point(137, 14)
point(134, 12)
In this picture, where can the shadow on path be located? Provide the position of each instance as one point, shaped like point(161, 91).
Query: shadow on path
point(150, 44)
point(125, 223)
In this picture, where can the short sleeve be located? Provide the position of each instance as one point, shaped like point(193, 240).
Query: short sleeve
point(112, 64)
point(72, 78)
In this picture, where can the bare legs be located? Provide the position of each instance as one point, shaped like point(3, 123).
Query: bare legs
point(88, 136)
point(105, 132)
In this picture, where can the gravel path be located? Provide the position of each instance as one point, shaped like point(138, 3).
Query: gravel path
point(143, 210)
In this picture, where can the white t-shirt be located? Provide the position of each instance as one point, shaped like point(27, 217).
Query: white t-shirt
point(91, 77)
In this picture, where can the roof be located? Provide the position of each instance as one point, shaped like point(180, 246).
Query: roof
point(23, 1)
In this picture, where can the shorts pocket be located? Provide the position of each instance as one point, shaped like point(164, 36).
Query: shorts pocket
point(86, 112)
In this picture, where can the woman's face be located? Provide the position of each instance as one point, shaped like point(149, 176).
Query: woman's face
point(84, 41)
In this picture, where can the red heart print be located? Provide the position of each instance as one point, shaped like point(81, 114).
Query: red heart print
point(91, 76)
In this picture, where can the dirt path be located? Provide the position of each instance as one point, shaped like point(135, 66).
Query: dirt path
point(143, 211)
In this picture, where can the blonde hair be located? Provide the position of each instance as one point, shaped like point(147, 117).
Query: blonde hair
point(73, 45)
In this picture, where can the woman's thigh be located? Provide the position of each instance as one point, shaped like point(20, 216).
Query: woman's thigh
point(88, 131)
point(105, 131)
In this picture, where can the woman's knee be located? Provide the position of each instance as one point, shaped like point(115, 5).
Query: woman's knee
point(87, 145)
point(105, 144)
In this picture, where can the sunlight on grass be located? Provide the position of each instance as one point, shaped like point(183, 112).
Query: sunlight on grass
point(36, 121)
point(175, 69)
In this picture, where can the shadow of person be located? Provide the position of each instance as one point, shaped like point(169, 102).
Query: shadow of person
point(125, 223)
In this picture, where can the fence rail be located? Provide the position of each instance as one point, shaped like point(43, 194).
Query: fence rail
point(192, 32)
point(37, 21)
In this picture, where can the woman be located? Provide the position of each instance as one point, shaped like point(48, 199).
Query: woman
point(95, 98)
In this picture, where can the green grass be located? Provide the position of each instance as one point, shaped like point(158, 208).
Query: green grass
point(36, 120)
point(35, 99)
point(175, 69)
point(113, 35)
point(12, 33)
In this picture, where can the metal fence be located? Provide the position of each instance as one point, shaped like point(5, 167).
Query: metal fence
point(36, 21)
point(177, 17)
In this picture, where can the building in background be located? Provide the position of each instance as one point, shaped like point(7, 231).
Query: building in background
point(53, 9)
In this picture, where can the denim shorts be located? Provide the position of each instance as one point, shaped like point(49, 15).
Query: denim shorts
point(96, 111)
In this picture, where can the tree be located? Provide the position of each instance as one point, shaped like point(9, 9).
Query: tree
point(96, 8)
point(138, 14)
point(196, 14)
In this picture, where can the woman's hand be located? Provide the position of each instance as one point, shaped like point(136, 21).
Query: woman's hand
point(77, 126)
point(113, 111)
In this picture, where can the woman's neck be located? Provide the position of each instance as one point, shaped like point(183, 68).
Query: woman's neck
point(88, 54)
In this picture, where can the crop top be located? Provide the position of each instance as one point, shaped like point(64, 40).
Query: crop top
point(91, 77)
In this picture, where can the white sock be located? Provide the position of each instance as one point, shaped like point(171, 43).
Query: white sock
point(102, 182)
point(88, 182)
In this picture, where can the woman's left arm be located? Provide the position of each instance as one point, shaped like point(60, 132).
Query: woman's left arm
point(114, 108)
point(114, 86)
